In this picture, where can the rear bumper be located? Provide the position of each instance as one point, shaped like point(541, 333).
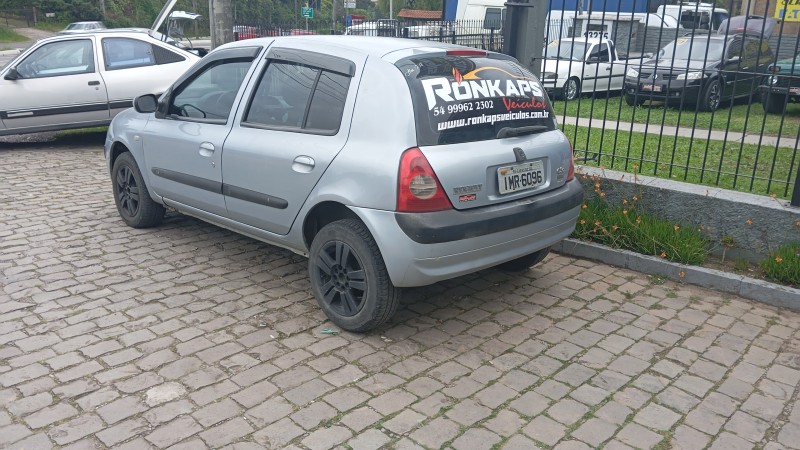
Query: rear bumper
point(421, 249)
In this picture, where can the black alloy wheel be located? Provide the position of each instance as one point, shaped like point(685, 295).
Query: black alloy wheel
point(349, 277)
point(343, 278)
point(134, 204)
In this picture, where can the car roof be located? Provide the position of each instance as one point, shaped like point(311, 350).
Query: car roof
point(369, 45)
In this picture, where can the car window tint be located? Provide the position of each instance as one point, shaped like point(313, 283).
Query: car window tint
point(282, 95)
point(210, 95)
point(58, 59)
point(123, 53)
point(604, 52)
point(327, 104)
point(463, 99)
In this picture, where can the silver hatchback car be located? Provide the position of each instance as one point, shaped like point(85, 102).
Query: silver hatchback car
point(388, 162)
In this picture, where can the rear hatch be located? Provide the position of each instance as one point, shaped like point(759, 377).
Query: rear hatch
point(485, 125)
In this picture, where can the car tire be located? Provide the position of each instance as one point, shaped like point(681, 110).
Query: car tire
point(349, 278)
point(525, 262)
point(572, 89)
point(633, 100)
point(774, 103)
point(712, 97)
point(134, 204)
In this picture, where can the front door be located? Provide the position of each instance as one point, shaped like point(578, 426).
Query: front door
point(183, 150)
point(57, 83)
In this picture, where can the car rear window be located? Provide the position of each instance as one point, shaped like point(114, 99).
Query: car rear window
point(464, 99)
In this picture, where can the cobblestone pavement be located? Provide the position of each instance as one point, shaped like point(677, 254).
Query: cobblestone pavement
point(190, 336)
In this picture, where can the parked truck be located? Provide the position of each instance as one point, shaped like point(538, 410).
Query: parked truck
point(580, 65)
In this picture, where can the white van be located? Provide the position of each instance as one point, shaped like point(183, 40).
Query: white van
point(691, 15)
point(489, 11)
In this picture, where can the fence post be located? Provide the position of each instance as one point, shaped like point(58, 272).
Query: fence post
point(441, 34)
point(796, 191)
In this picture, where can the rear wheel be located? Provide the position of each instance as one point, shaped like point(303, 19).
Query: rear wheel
point(774, 103)
point(134, 204)
point(526, 262)
point(572, 89)
point(349, 278)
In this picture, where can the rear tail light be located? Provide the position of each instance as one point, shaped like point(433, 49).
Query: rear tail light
point(419, 190)
point(571, 170)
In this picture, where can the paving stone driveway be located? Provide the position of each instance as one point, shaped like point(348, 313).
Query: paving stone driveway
point(191, 336)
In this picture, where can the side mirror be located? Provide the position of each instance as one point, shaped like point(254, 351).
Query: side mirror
point(592, 60)
point(145, 103)
point(12, 74)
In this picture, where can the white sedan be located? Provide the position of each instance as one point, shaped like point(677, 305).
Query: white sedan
point(84, 80)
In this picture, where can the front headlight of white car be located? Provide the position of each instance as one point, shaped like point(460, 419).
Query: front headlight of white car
point(633, 73)
point(691, 76)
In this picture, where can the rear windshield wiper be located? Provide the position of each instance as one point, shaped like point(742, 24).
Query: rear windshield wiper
point(506, 132)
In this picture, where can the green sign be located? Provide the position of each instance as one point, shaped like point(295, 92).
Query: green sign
point(308, 13)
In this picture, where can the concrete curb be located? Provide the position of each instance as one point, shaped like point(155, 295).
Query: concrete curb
point(12, 52)
point(750, 288)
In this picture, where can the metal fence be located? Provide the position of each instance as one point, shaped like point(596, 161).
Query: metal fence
point(676, 93)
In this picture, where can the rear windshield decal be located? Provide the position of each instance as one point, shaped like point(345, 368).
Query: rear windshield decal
point(458, 99)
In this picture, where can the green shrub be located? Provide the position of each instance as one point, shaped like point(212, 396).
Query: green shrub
point(629, 228)
point(8, 35)
point(783, 264)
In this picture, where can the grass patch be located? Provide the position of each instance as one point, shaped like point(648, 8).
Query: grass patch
point(740, 117)
point(783, 264)
point(631, 229)
point(728, 165)
point(9, 35)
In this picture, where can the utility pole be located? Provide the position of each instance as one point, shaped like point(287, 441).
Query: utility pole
point(103, 9)
point(220, 18)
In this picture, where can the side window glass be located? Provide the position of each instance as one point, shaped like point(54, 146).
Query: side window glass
point(58, 59)
point(282, 95)
point(594, 53)
point(493, 18)
point(735, 49)
point(327, 104)
point(123, 53)
point(210, 95)
point(603, 52)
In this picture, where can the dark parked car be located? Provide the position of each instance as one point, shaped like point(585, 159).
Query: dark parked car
point(701, 71)
point(783, 86)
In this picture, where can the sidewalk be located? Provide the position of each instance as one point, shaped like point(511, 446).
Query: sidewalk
point(716, 135)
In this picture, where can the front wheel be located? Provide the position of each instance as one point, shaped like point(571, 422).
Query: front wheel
point(774, 103)
point(349, 278)
point(710, 100)
point(134, 204)
point(572, 89)
point(632, 99)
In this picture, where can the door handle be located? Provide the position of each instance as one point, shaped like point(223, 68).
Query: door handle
point(206, 149)
point(94, 83)
point(303, 164)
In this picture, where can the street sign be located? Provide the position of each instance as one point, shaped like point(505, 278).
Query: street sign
point(308, 13)
point(349, 4)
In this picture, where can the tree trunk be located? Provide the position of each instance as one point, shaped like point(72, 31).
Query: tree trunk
point(220, 18)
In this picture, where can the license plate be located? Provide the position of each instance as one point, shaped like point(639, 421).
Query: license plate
point(794, 90)
point(520, 177)
point(651, 87)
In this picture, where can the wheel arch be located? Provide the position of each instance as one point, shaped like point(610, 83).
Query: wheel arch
point(322, 214)
point(117, 148)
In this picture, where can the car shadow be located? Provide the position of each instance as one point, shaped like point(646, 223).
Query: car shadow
point(91, 137)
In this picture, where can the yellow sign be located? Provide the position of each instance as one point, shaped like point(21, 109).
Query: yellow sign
point(788, 10)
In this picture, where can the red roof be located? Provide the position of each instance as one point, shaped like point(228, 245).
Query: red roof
point(419, 14)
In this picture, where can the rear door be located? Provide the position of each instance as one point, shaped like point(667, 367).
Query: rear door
point(58, 83)
point(486, 126)
point(295, 122)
